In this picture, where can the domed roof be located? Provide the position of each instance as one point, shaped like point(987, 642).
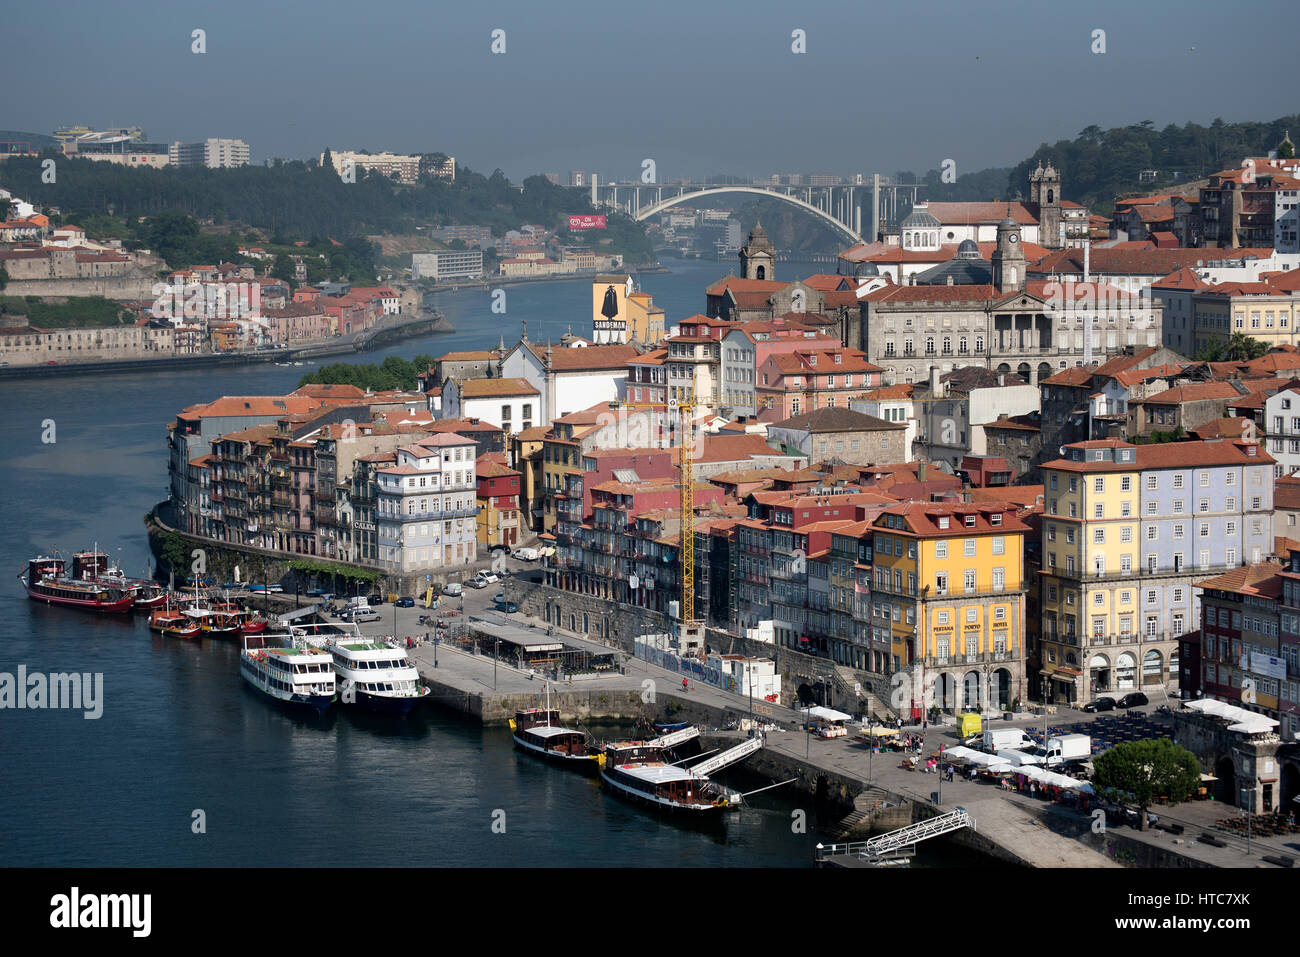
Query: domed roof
point(865, 270)
point(968, 250)
point(920, 216)
point(758, 235)
point(1008, 223)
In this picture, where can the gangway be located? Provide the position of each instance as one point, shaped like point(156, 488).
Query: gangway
point(730, 756)
point(890, 846)
point(674, 738)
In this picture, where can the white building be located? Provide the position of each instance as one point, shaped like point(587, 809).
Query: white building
point(214, 153)
point(447, 264)
point(1281, 429)
point(570, 378)
point(426, 514)
point(1286, 220)
point(512, 404)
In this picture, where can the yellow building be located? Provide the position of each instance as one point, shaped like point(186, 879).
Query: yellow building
point(1091, 529)
point(1262, 310)
point(947, 581)
point(526, 454)
point(620, 315)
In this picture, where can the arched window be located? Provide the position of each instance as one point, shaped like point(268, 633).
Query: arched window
point(961, 345)
point(1050, 194)
point(761, 273)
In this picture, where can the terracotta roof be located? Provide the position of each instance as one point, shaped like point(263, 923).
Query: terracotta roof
point(1160, 262)
point(725, 448)
point(1013, 423)
point(922, 519)
point(486, 388)
point(838, 420)
point(1261, 579)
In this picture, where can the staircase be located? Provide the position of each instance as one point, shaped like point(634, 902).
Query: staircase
point(843, 679)
point(864, 806)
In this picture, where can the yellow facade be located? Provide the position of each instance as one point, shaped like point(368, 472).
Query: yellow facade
point(967, 588)
point(1269, 318)
point(1091, 549)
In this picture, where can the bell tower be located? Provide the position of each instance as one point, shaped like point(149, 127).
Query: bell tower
point(1045, 193)
point(1009, 258)
point(758, 256)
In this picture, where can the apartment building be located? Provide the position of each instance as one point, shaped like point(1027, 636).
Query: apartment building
point(214, 153)
point(947, 584)
point(425, 505)
point(1127, 531)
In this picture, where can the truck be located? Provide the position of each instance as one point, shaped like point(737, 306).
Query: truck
point(1007, 739)
point(1065, 749)
point(969, 725)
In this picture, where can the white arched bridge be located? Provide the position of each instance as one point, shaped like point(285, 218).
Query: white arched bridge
point(837, 206)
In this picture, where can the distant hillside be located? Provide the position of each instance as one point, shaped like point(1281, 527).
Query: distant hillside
point(296, 199)
point(1099, 165)
point(39, 141)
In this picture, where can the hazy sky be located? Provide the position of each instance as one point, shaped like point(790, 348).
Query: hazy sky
point(698, 87)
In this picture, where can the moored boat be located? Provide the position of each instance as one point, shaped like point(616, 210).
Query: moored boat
point(174, 624)
point(46, 582)
point(298, 676)
point(370, 674)
point(538, 731)
point(634, 771)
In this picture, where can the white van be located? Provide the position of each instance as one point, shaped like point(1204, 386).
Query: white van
point(452, 589)
point(527, 554)
point(366, 613)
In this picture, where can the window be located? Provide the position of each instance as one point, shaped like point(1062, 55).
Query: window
point(1178, 506)
point(1126, 483)
point(1099, 536)
point(1126, 563)
point(969, 583)
point(1126, 509)
point(1255, 502)
point(1178, 531)
point(1126, 534)
point(1232, 478)
point(940, 549)
point(968, 547)
point(999, 579)
point(1151, 508)
point(1205, 479)
point(1151, 481)
point(1099, 598)
point(972, 616)
point(1098, 510)
point(1178, 480)
point(1151, 532)
point(1204, 530)
point(1203, 505)
point(1231, 504)
point(1099, 484)
point(999, 546)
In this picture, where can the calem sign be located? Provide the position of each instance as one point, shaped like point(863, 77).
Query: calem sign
point(586, 222)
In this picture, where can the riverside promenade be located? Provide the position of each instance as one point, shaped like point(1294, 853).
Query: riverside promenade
point(1012, 827)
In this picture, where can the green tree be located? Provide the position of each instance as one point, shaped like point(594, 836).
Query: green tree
point(1238, 347)
point(4, 279)
point(1142, 772)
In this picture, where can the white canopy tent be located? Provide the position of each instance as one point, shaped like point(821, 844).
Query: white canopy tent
point(825, 714)
point(1247, 722)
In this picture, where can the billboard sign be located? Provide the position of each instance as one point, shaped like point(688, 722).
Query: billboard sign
point(586, 222)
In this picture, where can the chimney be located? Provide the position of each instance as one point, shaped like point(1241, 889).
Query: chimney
point(1087, 261)
point(922, 469)
point(935, 384)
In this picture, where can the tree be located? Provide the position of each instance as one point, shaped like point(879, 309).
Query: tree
point(1238, 347)
point(1142, 772)
point(4, 279)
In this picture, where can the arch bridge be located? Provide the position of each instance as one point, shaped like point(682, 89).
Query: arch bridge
point(837, 206)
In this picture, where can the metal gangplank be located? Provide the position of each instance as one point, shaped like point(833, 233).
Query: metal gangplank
point(674, 738)
point(895, 844)
point(730, 756)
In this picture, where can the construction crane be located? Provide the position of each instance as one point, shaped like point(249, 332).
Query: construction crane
point(690, 630)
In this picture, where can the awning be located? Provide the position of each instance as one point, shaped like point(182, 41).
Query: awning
point(881, 732)
point(826, 714)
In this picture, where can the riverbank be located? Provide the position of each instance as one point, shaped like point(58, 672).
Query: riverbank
point(404, 328)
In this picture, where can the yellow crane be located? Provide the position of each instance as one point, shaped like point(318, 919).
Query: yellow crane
point(692, 631)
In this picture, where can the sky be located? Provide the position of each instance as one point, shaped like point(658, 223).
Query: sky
point(700, 88)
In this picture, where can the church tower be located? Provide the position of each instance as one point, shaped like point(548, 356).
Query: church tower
point(1045, 193)
point(758, 256)
point(1009, 258)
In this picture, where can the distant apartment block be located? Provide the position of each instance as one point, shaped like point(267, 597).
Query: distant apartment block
point(405, 169)
point(471, 235)
point(438, 166)
point(447, 264)
point(213, 153)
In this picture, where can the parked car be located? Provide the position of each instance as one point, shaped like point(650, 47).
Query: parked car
point(498, 598)
point(1134, 699)
point(405, 602)
point(487, 577)
point(376, 599)
point(508, 607)
point(367, 614)
point(476, 583)
point(1099, 704)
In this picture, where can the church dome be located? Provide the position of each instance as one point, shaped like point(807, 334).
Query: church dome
point(865, 270)
point(1008, 223)
point(968, 250)
point(758, 235)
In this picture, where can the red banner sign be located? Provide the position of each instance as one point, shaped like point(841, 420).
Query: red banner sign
point(586, 222)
